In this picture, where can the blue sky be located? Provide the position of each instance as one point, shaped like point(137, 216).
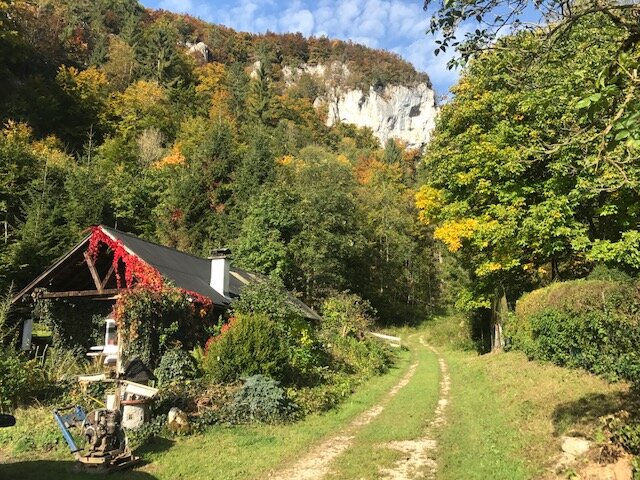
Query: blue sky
point(396, 25)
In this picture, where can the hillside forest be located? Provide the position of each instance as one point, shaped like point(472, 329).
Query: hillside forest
point(108, 117)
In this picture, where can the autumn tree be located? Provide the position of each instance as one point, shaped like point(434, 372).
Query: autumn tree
point(521, 183)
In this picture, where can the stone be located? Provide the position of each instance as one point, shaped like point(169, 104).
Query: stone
point(199, 49)
point(177, 421)
point(575, 446)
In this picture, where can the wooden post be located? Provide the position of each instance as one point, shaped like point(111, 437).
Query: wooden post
point(94, 272)
point(108, 276)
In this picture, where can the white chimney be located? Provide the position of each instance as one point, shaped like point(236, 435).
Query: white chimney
point(220, 271)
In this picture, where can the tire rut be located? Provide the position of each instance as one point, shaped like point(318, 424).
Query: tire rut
point(419, 456)
point(317, 463)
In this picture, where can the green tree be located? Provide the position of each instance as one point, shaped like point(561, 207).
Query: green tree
point(260, 97)
point(518, 184)
point(158, 54)
point(271, 223)
point(329, 242)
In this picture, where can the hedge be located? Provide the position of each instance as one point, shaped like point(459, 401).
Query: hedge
point(589, 324)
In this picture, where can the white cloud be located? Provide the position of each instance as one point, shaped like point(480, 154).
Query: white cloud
point(297, 21)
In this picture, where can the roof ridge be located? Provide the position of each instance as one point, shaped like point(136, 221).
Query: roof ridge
point(152, 243)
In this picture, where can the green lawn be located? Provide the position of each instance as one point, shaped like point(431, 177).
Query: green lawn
point(506, 414)
point(503, 422)
point(241, 452)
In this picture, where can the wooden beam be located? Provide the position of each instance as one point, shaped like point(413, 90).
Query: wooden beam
point(40, 280)
point(106, 279)
point(94, 272)
point(80, 293)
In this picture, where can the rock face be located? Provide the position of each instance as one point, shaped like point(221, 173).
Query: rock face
point(402, 112)
point(397, 111)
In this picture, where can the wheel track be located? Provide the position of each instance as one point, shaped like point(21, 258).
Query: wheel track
point(317, 463)
point(419, 456)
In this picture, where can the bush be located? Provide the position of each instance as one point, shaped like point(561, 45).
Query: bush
point(298, 350)
point(14, 379)
point(261, 399)
point(592, 325)
point(254, 345)
point(176, 365)
point(365, 357)
point(347, 315)
point(336, 386)
point(269, 298)
point(623, 429)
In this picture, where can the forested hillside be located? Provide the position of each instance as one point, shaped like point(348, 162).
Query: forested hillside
point(119, 115)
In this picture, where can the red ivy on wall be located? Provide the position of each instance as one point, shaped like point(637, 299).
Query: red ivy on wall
point(138, 273)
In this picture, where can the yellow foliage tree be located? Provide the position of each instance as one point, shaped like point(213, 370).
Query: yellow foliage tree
point(453, 232)
point(210, 78)
point(175, 157)
point(88, 86)
point(429, 202)
point(142, 105)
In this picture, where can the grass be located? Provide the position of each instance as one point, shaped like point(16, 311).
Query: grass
point(242, 452)
point(507, 413)
point(504, 420)
point(404, 418)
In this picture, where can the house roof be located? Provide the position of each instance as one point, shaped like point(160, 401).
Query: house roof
point(184, 270)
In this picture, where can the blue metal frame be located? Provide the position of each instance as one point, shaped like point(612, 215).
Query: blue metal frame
point(65, 421)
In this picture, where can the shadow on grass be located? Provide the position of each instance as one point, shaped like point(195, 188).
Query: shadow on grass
point(59, 470)
point(154, 445)
point(586, 410)
point(63, 469)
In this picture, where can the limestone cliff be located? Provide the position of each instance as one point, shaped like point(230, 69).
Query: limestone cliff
point(404, 112)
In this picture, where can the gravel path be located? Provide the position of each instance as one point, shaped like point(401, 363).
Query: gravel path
point(317, 463)
point(419, 456)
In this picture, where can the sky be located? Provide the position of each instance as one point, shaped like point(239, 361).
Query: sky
point(396, 25)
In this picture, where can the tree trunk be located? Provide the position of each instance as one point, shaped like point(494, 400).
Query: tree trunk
point(499, 314)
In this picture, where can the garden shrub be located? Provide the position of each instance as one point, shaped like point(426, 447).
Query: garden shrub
point(304, 351)
point(176, 365)
point(261, 399)
point(254, 345)
point(335, 387)
point(269, 298)
point(345, 320)
point(364, 357)
point(592, 325)
point(347, 315)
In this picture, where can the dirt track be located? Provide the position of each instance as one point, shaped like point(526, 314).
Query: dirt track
point(419, 454)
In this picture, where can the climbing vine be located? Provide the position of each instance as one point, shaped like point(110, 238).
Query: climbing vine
point(152, 315)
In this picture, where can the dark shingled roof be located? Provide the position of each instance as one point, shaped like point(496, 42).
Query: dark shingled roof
point(184, 270)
